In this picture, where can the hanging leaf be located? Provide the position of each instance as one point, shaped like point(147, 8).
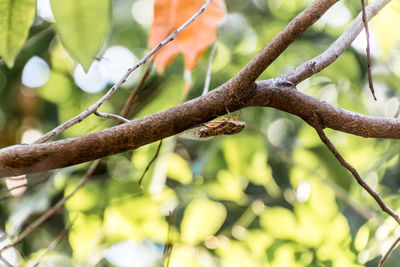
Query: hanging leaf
point(16, 16)
point(202, 218)
point(169, 15)
point(82, 26)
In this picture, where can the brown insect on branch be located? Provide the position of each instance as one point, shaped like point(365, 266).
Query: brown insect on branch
point(240, 92)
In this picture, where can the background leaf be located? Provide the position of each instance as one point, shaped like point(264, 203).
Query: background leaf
point(202, 218)
point(170, 15)
point(82, 27)
point(16, 16)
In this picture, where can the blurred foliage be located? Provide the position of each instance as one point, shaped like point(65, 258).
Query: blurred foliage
point(272, 195)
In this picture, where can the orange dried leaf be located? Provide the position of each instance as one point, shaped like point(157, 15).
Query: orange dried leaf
point(169, 15)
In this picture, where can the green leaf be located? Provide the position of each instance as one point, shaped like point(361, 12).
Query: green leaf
point(179, 169)
point(280, 222)
point(82, 26)
point(202, 218)
point(16, 16)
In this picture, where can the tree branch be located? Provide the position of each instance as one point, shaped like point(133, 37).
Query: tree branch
point(240, 92)
point(275, 48)
point(283, 96)
point(392, 247)
point(368, 50)
point(315, 65)
point(23, 159)
point(93, 108)
point(317, 124)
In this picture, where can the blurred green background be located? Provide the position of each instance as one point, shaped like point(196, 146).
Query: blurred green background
point(272, 195)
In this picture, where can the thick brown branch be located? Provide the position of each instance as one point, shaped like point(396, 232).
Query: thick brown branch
point(274, 49)
point(274, 93)
point(23, 159)
point(320, 62)
point(238, 93)
point(93, 108)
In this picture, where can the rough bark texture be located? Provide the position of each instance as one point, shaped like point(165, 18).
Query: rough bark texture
point(240, 92)
point(22, 159)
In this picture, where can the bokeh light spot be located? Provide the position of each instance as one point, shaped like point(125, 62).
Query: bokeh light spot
point(338, 15)
point(36, 72)
point(303, 192)
point(142, 12)
point(31, 135)
point(92, 81)
point(44, 10)
point(115, 62)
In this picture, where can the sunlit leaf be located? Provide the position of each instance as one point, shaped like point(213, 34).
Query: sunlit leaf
point(135, 219)
point(187, 255)
point(362, 237)
point(260, 173)
point(226, 187)
point(64, 87)
point(202, 218)
point(237, 254)
point(178, 169)
point(239, 151)
point(82, 27)
point(16, 16)
point(279, 221)
point(59, 58)
point(383, 26)
point(169, 15)
point(84, 199)
point(84, 234)
point(258, 241)
point(285, 256)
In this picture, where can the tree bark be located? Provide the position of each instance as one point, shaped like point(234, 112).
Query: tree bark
point(240, 92)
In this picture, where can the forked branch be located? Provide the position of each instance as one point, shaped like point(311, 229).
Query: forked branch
point(92, 109)
point(318, 125)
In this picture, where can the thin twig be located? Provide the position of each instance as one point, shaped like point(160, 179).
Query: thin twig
point(395, 243)
point(49, 29)
point(90, 171)
point(55, 208)
point(22, 159)
point(169, 245)
point(128, 104)
point(340, 193)
point(368, 49)
point(29, 186)
point(149, 164)
point(53, 245)
point(33, 39)
point(209, 67)
point(318, 127)
point(2, 259)
point(59, 129)
point(111, 116)
point(320, 62)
